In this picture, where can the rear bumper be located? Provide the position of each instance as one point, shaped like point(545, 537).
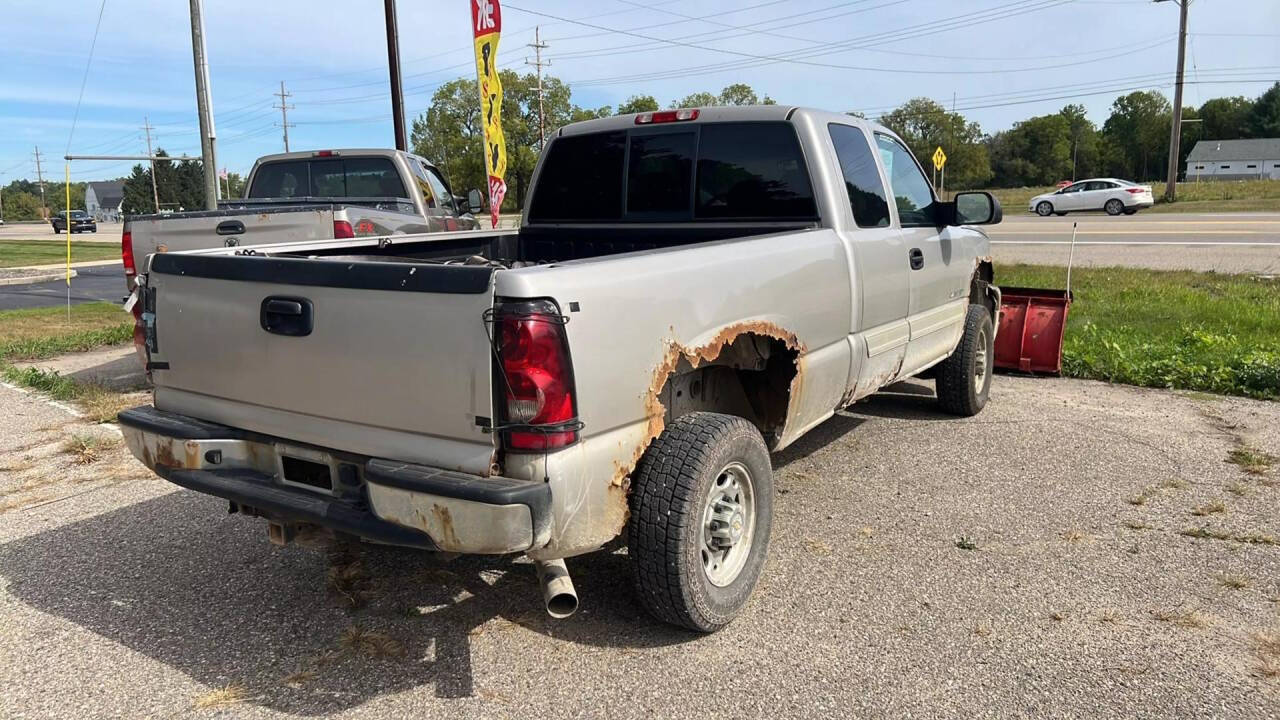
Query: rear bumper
point(381, 500)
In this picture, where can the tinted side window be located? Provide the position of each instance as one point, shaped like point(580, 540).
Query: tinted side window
point(581, 179)
point(441, 190)
point(659, 173)
point(752, 170)
point(861, 178)
point(280, 180)
point(911, 191)
point(420, 179)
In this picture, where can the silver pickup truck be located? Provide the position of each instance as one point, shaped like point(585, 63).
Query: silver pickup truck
point(689, 291)
point(300, 196)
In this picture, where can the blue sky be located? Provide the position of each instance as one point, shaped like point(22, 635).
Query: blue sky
point(1003, 60)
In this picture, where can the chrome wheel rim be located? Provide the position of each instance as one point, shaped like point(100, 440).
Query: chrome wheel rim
point(1044, 209)
point(980, 368)
point(728, 524)
point(1114, 207)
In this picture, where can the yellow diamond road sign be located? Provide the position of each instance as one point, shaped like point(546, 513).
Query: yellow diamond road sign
point(939, 158)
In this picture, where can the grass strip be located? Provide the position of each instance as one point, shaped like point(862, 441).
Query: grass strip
point(18, 253)
point(1167, 329)
point(38, 333)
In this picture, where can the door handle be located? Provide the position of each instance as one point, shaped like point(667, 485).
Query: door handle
point(292, 316)
point(917, 258)
point(230, 227)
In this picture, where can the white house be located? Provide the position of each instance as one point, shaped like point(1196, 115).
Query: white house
point(1256, 159)
point(103, 199)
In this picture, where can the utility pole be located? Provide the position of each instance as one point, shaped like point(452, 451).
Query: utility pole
point(204, 107)
point(155, 192)
point(284, 114)
point(538, 46)
point(44, 207)
point(1175, 132)
point(393, 63)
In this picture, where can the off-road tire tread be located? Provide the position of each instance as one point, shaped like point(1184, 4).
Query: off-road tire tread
point(664, 491)
point(956, 372)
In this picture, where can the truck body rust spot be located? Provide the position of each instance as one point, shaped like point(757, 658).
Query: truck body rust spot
point(655, 411)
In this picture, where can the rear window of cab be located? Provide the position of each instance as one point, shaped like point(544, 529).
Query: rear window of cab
point(715, 172)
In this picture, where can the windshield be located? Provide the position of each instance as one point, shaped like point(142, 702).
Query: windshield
point(678, 172)
point(328, 177)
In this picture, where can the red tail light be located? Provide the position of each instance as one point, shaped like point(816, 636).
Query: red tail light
point(1135, 191)
point(666, 116)
point(343, 229)
point(126, 254)
point(536, 377)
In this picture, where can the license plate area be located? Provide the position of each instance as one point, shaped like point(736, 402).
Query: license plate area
point(305, 468)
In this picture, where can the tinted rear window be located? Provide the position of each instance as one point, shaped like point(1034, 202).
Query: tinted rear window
point(752, 171)
point(328, 177)
point(581, 179)
point(723, 171)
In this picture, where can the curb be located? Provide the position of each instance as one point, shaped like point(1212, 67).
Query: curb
point(33, 279)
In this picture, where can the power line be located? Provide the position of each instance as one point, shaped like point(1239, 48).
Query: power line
point(284, 113)
point(84, 80)
point(538, 46)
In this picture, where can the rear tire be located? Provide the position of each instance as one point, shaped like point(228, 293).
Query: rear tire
point(701, 515)
point(964, 379)
point(1044, 208)
point(1113, 207)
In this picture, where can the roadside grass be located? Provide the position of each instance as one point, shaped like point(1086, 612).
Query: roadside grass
point(1239, 196)
point(16, 253)
point(1254, 462)
point(1167, 329)
point(86, 449)
point(37, 333)
point(99, 403)
point(221, 697)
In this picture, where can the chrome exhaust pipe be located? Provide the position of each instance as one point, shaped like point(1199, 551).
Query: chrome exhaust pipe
point(558, 595)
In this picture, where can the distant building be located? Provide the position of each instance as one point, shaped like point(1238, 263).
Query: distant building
point(102, 200)
point(1257, 159)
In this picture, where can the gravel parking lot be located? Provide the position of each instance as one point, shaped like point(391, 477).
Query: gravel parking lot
point(1030, 561)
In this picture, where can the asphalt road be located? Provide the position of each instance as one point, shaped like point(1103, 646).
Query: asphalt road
point(107, 232)
point(1228, 242)
point(123, 597)
point(91, 284)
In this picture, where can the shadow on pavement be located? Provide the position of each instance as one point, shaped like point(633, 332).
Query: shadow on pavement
point(208, 596)
point(178, 581)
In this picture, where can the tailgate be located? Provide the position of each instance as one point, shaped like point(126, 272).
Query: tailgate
point(384, 359)
point(200, 231)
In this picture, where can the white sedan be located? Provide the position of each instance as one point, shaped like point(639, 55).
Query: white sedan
point(1107, 194)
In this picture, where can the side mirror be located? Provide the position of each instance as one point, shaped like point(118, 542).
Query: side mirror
point(977, 208)
point(475, 202)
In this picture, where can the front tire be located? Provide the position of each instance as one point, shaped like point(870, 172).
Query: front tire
point(964, 379)
point(1044, 208)
point(701, 515)
point(1113, 207)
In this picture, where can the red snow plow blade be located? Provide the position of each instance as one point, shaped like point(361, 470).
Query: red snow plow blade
point(1032, 323)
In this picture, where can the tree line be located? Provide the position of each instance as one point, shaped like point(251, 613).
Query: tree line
point(1132, 143)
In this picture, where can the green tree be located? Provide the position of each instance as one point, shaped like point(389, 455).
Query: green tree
point(638, 104)
point(1036, 151)
point(21, 206)
point(1264, 116)
point(180, 187)
point(54, 194)
point(1225, 118)
point(698, 99)
point(1085, 144)
point(450, 133)
point(924, 125)
point(1136, 136)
